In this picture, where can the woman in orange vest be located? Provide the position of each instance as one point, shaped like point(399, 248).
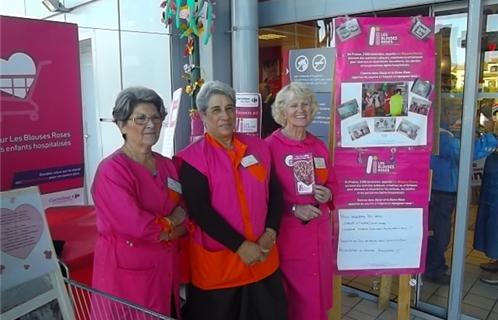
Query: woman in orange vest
point(235, 207)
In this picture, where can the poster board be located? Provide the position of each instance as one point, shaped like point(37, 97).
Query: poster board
point(169, 126)
point(384, 96)
point(315, 68)
point(28, 258)
point(40, 109)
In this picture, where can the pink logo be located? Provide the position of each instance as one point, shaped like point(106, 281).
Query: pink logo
point(376, 37)
point(18, 76)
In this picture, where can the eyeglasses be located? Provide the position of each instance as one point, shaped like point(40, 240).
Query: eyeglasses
point(142, 119)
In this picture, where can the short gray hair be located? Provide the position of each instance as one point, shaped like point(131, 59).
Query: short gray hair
point(129, 98)
point(288, 94)
point(211, 88)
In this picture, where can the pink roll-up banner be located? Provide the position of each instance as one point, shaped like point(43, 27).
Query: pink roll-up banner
point(384, 91)
point(40, 109)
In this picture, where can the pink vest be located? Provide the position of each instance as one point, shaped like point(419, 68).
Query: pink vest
point(240, 195)
point(214, 163)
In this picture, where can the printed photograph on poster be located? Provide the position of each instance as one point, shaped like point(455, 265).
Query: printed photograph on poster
point(420, 30)
point(384, 99)
point(384, 106)
point(348, 109)
point(358, 130)
point(420, 106)
point(384, 124)
point(421, 87)
point(349, 29)
point(409, 129)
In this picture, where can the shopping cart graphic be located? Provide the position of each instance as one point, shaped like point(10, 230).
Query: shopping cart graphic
point(18, 76)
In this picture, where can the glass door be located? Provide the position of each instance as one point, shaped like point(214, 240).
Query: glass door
point(479, 298)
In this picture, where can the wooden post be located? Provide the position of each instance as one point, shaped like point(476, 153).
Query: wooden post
point(335, 312)
point(385, 292)
point(404, 293)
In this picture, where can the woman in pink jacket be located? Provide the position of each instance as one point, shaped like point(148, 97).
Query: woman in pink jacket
point(136, 194)
point(301, 162)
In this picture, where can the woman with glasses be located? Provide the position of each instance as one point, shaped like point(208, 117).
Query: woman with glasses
point(139, 220)
point(235, 208)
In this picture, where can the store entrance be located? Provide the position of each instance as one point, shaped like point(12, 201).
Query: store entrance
point(429, 294)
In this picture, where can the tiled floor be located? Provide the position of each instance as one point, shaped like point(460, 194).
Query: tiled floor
point(356, 308)
point(480, 300)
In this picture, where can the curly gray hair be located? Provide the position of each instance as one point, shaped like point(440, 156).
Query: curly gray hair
point(289, 94)
point(129, 98)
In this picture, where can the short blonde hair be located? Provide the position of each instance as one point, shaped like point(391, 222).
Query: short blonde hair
point(288, 94)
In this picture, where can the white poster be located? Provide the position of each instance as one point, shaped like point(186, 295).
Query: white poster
point(379, 238)
point(27, 249)
point(384, 114)
point(169, 127)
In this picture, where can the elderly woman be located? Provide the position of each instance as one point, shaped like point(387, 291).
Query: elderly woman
point(235, 207)
point(301, 162)
point(136, 194)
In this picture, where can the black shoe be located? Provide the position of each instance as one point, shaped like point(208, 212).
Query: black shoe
point(443, 279)
point(490, 266)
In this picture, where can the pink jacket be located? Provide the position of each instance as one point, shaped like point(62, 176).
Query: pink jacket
point(130, 262)
point(306, 252)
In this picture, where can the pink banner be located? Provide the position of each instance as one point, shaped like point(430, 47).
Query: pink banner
point(40, 109)
point(385, 76)
point(385, 79)
point(248, 113)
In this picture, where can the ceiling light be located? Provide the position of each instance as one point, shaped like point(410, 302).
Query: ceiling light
point(55, 6)
point(270, 36)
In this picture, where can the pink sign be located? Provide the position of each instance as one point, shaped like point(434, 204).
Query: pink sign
point(41, 140)
point(385, 76)
point(248, 113)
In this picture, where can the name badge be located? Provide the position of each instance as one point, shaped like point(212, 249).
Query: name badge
point(319, 163)
point(174, 185)
point(248, 161)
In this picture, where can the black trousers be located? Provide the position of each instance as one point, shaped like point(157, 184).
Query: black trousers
point(262, 300)
point(441, 210)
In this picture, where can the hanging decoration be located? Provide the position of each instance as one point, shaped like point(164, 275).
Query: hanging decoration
point(194, 21)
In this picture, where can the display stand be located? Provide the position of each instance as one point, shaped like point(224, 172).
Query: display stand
point(335, 312)
point(404, 295)
point(28, 255)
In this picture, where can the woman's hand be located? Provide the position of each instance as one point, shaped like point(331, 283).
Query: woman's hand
point(266, 242)
point(307, 212)
point(322, 194)
point(177, 217)
point(174, 234)
point(249, 252)
point(177, 232)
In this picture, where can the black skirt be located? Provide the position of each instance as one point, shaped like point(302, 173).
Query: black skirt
point(262, 300)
